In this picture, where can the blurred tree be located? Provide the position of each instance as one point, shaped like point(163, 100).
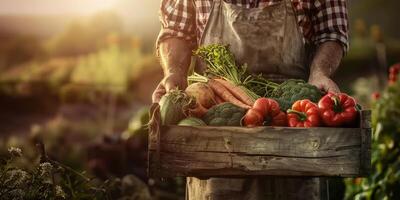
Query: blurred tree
point(377, 12)
point(361, 29)
point(376, 33)
point(86, 37)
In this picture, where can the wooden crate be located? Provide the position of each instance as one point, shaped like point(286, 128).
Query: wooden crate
point(263, 151)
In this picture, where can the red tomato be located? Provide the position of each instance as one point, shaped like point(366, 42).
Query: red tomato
point(261, 105)
point(279, 120)
point(376, 96)
point(266, 106)
point(271, 112)
point(253, 118)
point(395, 69)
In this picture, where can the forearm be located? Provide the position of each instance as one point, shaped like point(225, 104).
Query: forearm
point(175, 56)
point(326, 60)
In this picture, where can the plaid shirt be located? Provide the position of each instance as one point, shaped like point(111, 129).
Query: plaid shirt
point(319, 20)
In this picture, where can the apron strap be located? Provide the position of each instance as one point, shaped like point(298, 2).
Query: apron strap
point(216, 8)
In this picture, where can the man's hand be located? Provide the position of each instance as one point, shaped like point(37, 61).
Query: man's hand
point(324, 83)
point(326, 61)
point(169, 82)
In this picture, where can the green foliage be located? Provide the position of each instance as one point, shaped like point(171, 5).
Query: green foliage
point(221, 63)
point(50, 179)
point(292, 90)
point(226, 114)
point(69, 142)
point(108, 69)
point(384, 182)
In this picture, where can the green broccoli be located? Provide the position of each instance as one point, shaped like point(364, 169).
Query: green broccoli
point(292, 90)
point(226, 114)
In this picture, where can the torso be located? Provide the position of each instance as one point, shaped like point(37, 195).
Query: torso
point(269, 40)
point(303, 9)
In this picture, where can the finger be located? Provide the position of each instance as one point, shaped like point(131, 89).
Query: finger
point(326, 89)
point(158, 93)
point(170, 86)
point(333, 88)
point(329, 89)
point(322, 88)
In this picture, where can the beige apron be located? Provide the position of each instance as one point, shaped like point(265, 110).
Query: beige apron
point(269, 41)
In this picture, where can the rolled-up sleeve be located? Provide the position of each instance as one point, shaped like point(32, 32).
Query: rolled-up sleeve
point(330, 22)
point(178, 19)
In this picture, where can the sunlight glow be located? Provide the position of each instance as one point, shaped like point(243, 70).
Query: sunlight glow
point(44, 7)
point(91, 6)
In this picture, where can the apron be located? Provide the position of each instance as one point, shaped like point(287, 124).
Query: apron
point(269, 40)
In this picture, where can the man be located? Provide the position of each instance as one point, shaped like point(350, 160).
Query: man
point(281, 39)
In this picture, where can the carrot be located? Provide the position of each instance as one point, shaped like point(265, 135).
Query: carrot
point(199, 111)
point(225, 94)
point(218, 99)
point(237, 92)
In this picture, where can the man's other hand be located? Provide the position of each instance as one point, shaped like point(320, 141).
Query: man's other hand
point(324, 83)
point(169, 82)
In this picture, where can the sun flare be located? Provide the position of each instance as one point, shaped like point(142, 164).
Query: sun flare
point(56, 6)
point(92, 6)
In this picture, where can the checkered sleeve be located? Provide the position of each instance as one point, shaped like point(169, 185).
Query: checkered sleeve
point(330, 22)
point(177, 21)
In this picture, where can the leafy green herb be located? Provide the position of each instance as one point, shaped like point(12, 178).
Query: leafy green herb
point(221, 63)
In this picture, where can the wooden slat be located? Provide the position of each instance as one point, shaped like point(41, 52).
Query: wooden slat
point(221, 164)
point(221, 151)
point(366, 134)
point(236, 151)
point(274, 141)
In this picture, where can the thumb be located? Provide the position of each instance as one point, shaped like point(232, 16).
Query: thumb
point(170, 86)
point(334, 89)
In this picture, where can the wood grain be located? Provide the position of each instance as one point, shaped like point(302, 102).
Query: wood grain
point(263, 151)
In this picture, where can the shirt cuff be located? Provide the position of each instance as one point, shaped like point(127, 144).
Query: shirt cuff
point(324, 37)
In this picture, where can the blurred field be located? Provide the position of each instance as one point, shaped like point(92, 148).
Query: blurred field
point(81, 64)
